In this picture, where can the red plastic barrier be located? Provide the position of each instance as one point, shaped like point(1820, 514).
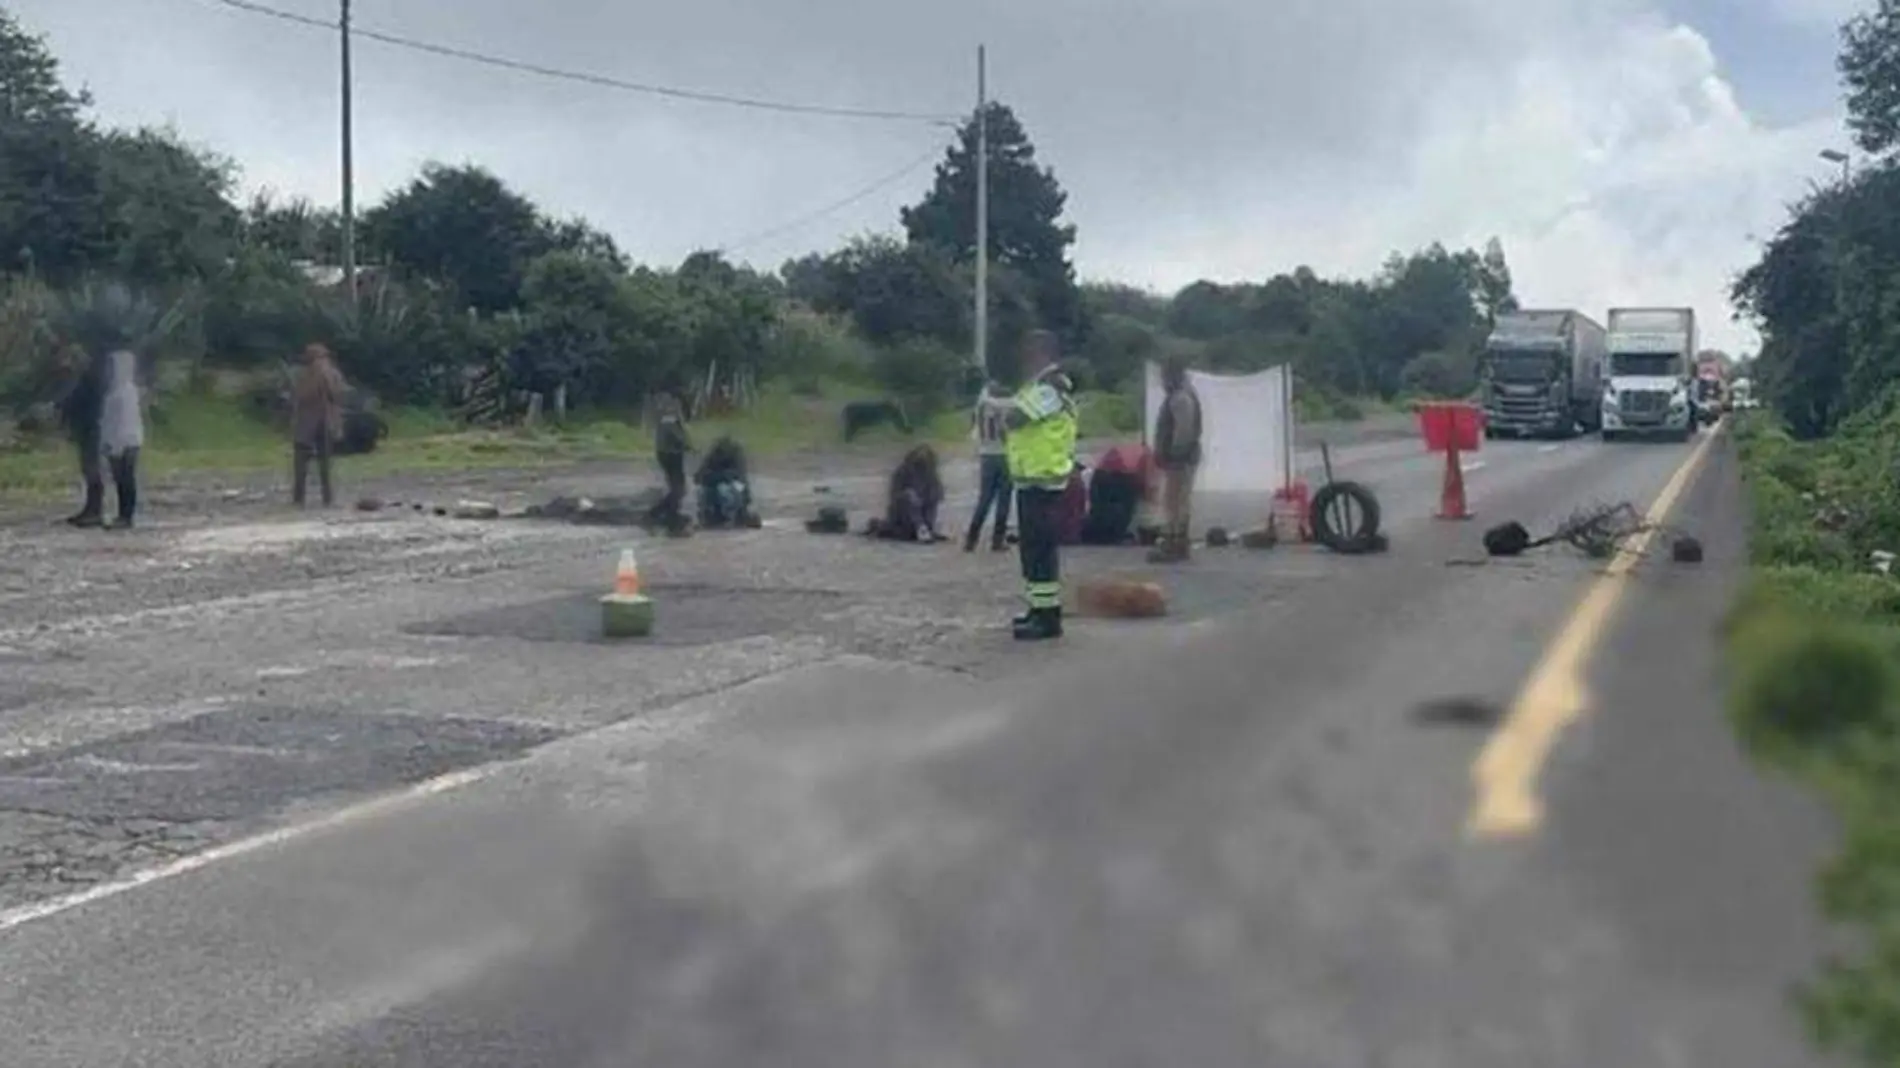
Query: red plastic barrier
point(1452, 428)
point(1449, 425)
point(1293, 508)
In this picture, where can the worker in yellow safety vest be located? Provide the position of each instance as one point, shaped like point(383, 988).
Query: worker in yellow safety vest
point(1040, 447)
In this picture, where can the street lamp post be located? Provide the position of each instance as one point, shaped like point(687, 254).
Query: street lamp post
point(1846, 163)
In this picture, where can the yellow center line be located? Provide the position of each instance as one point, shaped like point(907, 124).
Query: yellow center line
point(1506, 771)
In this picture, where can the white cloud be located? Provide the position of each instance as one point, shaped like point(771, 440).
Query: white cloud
point(1218, 138)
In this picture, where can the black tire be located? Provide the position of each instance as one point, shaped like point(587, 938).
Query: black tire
point(1347, 498)
point(1612, 435)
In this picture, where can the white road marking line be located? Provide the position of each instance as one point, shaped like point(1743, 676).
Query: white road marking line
point(1473, 465)
point(357, 813)
point(1548, 448)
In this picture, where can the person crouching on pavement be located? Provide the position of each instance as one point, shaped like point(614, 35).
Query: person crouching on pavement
point(1039, 441)
point(316, 422)
point(1178, 455)
point(986, 426)
point(122, 430)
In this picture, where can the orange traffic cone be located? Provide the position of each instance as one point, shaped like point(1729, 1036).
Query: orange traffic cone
point(627, 578)
point(1451, 498)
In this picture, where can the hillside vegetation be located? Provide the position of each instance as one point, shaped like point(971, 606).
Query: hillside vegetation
point(473, 299)
point(1816, 636)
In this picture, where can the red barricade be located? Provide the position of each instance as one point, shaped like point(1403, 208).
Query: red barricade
point(1452, 428)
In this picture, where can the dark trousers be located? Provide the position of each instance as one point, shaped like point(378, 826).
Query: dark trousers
point(92, 473)
point(993, 489)
point(673, 466)
point(125, 482)
point(301, 455)
point(1037, 511)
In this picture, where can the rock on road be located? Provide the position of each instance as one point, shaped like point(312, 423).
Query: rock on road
point(874, 833)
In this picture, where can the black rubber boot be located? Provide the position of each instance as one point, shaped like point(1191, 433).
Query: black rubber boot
point(1040, 625)
point(92, 513)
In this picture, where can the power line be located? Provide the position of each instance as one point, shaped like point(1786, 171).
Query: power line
point(888, 180)
point(602, 80)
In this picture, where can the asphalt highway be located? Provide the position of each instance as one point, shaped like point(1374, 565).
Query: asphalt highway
point(1255, 835)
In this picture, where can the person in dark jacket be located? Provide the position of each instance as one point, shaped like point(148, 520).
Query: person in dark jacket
point(670, 446)
point(316, 421)
point(79, 410)
point(1178, 456)
point(915, 495)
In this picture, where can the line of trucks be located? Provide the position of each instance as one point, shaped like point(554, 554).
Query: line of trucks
point(1557, 373)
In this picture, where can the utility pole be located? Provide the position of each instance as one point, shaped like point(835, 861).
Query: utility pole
point(349, 166)
point(982, 214)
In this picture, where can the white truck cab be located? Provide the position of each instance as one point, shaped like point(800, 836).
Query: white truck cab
point(1648, 387)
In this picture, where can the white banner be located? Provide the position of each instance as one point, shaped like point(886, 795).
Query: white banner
point(1246, 428)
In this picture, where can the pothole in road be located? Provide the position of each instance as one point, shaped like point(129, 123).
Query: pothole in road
point(1472, 712)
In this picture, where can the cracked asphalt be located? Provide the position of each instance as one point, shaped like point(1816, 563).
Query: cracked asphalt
point(836, 818)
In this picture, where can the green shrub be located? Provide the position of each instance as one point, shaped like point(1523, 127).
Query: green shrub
point(1107, 415)
point(926, 375)
point(1809, 681)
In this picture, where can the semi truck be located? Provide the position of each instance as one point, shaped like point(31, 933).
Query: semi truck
point(1542, 374)
point(1711, 389)
point(1649, 392)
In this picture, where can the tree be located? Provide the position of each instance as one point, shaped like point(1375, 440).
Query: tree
point(570, 331)
point(464, 226)
point(171, 213)
point(578, 236)
point(296, 229)
point(1026, 205)
point(1869, 63)
point(54, 219)
point(31, 91)
point(1494, 282)
point(891, 290)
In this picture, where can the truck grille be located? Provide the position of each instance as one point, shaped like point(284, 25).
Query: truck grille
point(1643, 403)
point(1520, 405)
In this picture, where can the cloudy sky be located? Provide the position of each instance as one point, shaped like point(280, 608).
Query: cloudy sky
point(1624, 150)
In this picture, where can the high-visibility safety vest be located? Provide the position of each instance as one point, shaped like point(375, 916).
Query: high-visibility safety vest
point(1041, 452)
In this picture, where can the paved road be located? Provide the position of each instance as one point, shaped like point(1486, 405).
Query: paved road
point(1235, 838)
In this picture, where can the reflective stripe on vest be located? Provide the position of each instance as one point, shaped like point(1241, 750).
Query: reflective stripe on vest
point(1042, 451)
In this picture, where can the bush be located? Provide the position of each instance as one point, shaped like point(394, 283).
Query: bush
point(1813, 641)
point(1107, 415)
point(1810, 681)
point(926, 375)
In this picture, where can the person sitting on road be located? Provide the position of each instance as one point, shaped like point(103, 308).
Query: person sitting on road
point(916, 494)
point(725, 491)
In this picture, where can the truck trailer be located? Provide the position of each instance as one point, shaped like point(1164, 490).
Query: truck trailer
point(1652, 360)
point(1542, 374)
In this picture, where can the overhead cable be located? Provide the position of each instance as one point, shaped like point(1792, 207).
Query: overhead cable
point(605, 81)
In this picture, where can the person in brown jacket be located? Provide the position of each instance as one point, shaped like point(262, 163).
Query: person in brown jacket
point(316, 420)
point(1178, 455)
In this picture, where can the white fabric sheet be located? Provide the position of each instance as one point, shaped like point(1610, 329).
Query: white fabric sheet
point(1247, 429)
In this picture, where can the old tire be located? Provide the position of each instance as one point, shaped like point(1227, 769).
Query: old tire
point(1360, 511)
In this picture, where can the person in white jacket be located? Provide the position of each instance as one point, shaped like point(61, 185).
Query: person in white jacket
point(122, 429)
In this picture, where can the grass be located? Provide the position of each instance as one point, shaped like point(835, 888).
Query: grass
point(209, 434)
point(1815, 655)
point(200, 435)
